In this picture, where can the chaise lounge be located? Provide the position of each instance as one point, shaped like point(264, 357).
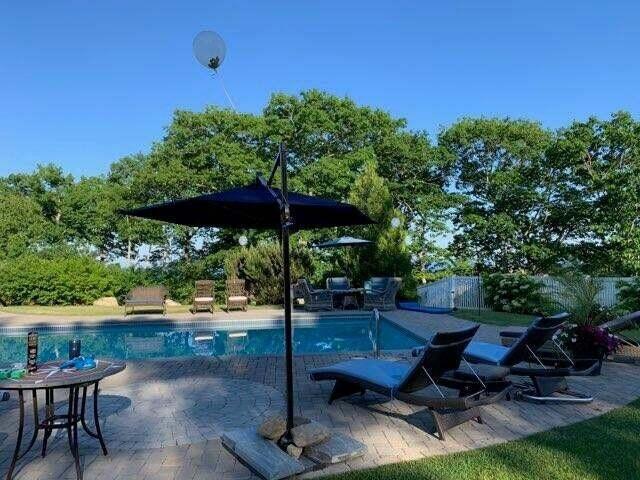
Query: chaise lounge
point(523, 358)
point(404, 380)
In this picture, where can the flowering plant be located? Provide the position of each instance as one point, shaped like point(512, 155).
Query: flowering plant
point(515, 293)
point(589, 341)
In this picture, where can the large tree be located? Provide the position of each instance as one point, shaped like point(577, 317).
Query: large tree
point(515, 214)
point(604, 159)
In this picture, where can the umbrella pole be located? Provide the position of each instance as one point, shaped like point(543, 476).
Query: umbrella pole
point(286, 260)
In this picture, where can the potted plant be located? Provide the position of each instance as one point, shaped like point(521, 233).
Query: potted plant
point(584, 339)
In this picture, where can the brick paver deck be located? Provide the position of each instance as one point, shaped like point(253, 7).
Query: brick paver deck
point(163, 418)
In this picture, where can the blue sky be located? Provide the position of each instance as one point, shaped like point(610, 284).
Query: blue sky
point(84, 83)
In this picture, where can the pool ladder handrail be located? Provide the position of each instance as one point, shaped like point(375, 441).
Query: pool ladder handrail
point(376, 343)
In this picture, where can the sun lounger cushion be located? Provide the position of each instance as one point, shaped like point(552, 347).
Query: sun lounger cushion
point(482, 352)
point(203, 299)
point(237, 298)
point(384, 373)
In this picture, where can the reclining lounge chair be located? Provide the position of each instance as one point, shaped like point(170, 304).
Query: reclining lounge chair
point(522, 358)
point(404, 380)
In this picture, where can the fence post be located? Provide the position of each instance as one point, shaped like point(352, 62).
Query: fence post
point(452, 288)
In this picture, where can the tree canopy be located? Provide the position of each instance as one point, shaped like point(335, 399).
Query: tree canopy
point(512, 195)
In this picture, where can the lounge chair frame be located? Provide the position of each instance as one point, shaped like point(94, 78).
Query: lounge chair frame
point(547, 375)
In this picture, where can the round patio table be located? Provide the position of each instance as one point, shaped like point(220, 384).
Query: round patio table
point(49, 378)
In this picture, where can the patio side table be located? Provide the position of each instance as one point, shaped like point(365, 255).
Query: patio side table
point(348, 297)
point(50, 378)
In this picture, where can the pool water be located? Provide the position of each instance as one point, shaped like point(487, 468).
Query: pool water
point(140, 341)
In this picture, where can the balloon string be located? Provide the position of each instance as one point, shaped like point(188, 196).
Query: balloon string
point(224, 88)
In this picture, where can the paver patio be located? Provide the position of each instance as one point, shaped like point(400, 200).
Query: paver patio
point(163, 418)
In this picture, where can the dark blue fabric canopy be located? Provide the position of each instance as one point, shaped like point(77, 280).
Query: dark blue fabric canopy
point(344, 242)
point(253, 206)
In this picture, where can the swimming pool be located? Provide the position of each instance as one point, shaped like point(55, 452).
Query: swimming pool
point(331, 334)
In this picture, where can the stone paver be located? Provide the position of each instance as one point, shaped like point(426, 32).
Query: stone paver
point(164, 418)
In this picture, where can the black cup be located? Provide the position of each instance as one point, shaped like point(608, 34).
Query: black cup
point(74, 348)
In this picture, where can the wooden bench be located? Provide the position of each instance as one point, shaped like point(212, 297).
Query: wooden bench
point(146, 298)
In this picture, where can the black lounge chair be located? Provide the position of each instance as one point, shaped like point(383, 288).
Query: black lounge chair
point(523, 358)
point(404, 380)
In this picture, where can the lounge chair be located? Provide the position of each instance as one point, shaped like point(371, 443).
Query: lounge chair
point(617, 325)
point(315, 299)
point(380, 293)
point(236, 294)
point(146, 298)
point(404, 380)
point(204, 296)
point(523, 358)
point(629, 349)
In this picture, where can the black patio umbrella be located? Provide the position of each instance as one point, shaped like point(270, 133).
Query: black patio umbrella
point(260, 206)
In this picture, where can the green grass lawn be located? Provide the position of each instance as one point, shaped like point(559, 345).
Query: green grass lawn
point(90, 310)
point(603, 448)
point(502, 319)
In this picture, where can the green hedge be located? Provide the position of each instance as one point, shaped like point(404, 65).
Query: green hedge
point(71, 279)
point(68, 280)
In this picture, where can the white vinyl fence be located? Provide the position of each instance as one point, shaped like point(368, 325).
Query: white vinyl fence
point(468, 292)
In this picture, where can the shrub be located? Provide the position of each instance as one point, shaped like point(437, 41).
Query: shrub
point(580, 297)
point(261, 266)
point(629, 295)
point(515, 293)
point(66, 280)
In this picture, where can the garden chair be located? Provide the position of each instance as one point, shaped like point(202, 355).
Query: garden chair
point(236, 294)
point(204, 296)
point(380, 293)
point(406, 381)
point(315, 299)
point(146, 298)
point(523, 358)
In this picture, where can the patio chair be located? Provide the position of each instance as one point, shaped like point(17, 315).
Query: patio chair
point(405, 381)
point(236, 294)
point(380, 293)
point(146, 298)
point(204, 296)
point(523, 358)
point(315, 299)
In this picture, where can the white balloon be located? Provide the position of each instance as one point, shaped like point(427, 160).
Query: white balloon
point(209, 49)
point(243, 240)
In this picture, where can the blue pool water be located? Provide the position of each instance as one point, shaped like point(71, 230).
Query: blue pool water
point(139, 341)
